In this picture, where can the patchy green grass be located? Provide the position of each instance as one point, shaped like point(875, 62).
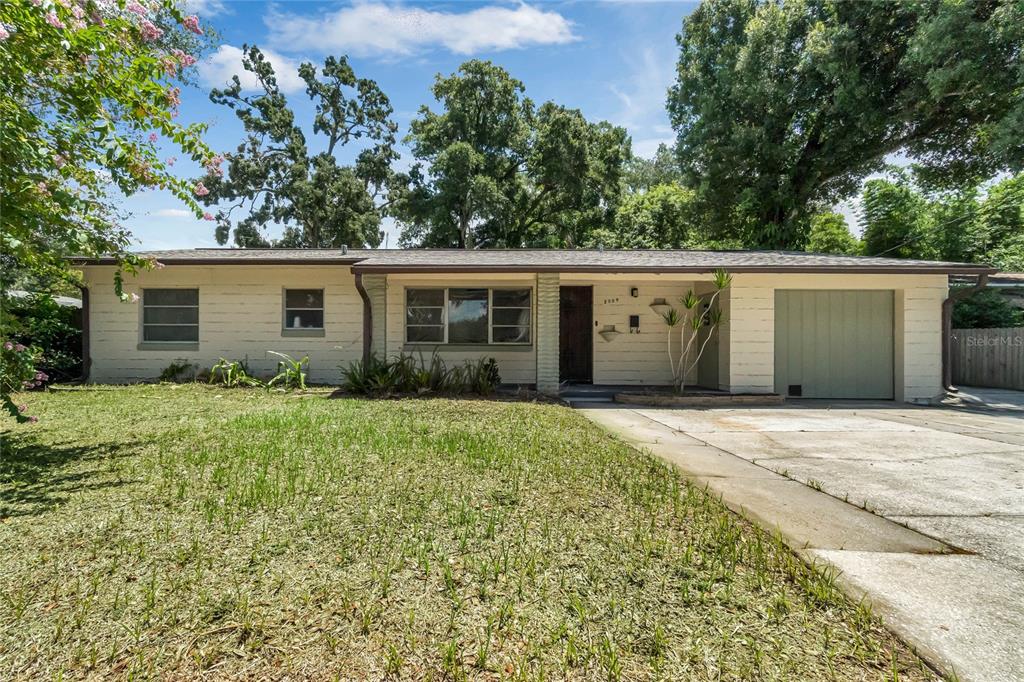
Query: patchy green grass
point(175, 532)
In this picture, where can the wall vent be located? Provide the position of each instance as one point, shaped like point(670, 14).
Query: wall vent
point(796, 390)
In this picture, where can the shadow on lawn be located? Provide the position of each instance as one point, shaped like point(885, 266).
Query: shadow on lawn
point(36, 477)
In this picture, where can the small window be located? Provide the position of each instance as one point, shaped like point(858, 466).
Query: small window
point(170, 315)
point(304, 309)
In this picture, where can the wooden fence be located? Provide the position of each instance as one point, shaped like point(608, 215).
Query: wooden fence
point(992, 358)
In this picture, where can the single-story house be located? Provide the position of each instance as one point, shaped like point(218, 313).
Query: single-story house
point(799, 324)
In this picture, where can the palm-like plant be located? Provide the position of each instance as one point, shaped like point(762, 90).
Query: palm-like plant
point(691, 321)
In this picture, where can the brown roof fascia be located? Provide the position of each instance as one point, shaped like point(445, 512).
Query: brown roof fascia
point(791, 269)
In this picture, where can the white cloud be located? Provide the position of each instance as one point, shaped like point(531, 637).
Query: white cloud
point(206, 8)
point(216, 70)
point(173, 213)
point(374, 28)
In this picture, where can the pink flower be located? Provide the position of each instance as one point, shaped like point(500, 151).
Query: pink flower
point(41, 376)
point(78, 12)
point(170, 160)
point(213, 165)
point(53, 20)
point(8, 346)
point(200, 190)
point(133, 297)
point(33, 419)
point(136, 8)
point(4, 35)
point(174, 96)
point(192, 24)
point(59, 160)
point(184, 58)
point(207, 216)
point(37, 3)
point(158, 265)
point(149, 31)
point(153, 137)
point(43, 189)
point(170, 65)
point(18, 348)
point(22, 407)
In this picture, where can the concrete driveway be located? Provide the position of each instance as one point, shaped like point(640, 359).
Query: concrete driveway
point(922, 509)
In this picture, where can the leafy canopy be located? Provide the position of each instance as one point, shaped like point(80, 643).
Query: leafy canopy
point(493, 170)
point(830, 234)
point(274, 178)
point(782, 108)
point(88, 88)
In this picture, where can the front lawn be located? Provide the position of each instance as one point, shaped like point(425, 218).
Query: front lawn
point(174, 531)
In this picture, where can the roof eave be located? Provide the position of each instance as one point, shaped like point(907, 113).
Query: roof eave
point(791, 269)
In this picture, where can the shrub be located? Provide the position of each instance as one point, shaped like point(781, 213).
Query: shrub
point(232, 374)
point(986, 309)
point(178, 371)
point(291, 373)
point(38, 321)
point(404, 374)
point(18, 373)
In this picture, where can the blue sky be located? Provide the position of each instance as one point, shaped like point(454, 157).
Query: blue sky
point(612, 60)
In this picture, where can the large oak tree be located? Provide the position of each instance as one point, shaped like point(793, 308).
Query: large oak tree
point(783, 107)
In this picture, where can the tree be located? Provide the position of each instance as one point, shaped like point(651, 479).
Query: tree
point(895, 222)
point(829, 234)
point(641, 175)
point(88, 89)
point(986, 309)
point(664, 217)
point(273, 179)
point(782, 108)
point(493, 170)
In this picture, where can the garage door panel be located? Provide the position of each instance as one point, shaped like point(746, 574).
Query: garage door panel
point(834, 343)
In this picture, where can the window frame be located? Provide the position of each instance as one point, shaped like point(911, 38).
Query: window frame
point(490, 316)
point(178, 344)
point(303, 331)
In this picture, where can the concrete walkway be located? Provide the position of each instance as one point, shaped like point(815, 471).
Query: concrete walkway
point(922, 509)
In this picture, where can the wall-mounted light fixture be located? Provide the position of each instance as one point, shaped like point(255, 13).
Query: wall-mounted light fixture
point(634, 292)
point(634, 324)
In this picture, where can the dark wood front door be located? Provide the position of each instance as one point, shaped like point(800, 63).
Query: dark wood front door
point(576, 335)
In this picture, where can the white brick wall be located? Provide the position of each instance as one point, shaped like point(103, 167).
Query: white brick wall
point(547, 332)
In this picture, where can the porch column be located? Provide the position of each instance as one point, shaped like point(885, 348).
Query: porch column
point(547, 332)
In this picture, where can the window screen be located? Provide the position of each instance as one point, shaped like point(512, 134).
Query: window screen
point(304, 309)
point(170, 315)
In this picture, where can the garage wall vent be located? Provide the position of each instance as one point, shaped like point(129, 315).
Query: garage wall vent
point(796, 390)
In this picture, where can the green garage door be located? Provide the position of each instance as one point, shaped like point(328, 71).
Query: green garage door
point(834, 344)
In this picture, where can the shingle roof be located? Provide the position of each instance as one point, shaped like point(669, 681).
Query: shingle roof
point(560, 260)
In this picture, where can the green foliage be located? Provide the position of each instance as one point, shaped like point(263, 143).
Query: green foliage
point(18, 373)
point(405, 375)
point(830, 234)
point(901, 220)
point(782, 108)
point(895, 221)
point(642, 175)
point(82, 89)
point(291, 373)
point(37, 320)
point(183, 370)
point(493, 170)
point(233, 374)
point(86, 87)
point(986, 309)
point(272, 177)
point(659, 218)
